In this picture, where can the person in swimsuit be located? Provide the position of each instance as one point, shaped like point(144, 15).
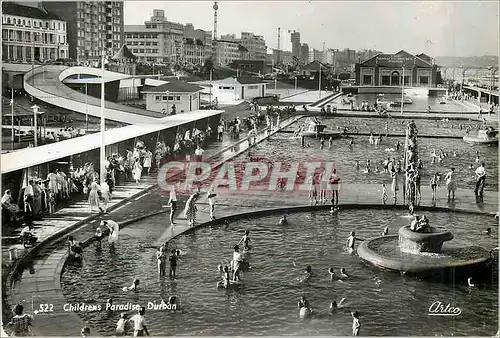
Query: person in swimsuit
point(331, 271)
point(343, 274)
point(133, 287)
point(355, 323)
point(283, 220)
point(173, 264)
point(237, 259)
point(351, 241)
point(245, 240)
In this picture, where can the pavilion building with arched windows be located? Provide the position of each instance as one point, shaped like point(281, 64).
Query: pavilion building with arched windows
point(387, 70)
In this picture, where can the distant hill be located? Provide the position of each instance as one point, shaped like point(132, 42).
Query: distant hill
point(471, 61)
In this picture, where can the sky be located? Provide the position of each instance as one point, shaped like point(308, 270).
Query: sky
point(447, 28)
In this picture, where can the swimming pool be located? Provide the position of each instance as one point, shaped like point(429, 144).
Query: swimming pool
point(376, 126)
point(390, 304)
point(285, 148)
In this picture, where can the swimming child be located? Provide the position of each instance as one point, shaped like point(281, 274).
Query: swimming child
point(98, 236)
point(245, 240)
point(334, 305)
point(120, 325)
point(330, 142)
point(302, 302)
point(384, 193)
point(355, 323)
point(133, 287)
point(331, 271)
point(321, 143)
point(343, 274)
point(85, 331)
point(173, 263)
point(469, 282)
point(385, 232)
point(283, 220)
point(308, 271)
point(488, 231)
point(350, 241)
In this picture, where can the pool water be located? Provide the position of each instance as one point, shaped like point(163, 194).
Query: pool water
point(287, 149)
point(389, 304)
point(397, 126)
point(420, 103)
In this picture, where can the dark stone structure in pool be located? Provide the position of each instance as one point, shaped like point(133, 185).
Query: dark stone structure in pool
point(425, 255)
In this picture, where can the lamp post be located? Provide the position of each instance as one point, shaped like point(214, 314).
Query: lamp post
point(463, 80)
point(12, 116)
point(35, 122)
point(102, 168)
point(319, 83)
point(402, 89)
point(492, 82)
point(86, 109)
point(167, 92)
point(211, 100)
point(295, 82)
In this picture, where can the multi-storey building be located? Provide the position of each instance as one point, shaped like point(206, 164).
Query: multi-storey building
point(282, 57)
point(228, 51)
point(255, 44)
point(31, 33)
point(304, 54)
point(315, 55)
point(197, 44)
point(93, 26)
point(296, 47)
point(159, 40)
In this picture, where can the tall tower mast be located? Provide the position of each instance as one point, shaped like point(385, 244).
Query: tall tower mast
point(215, 7)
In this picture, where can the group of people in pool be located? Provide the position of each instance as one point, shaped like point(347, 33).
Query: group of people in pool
point(237, 264)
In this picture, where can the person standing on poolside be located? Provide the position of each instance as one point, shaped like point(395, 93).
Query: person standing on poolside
point(451, 185)
point(395, 185)
point(137, 170)
point(172, 202)
point(21, 324)
point(313, 192)
point(334, 186)
point(211, 202)
point(190, 209)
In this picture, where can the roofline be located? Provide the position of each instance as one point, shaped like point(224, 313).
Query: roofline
point(150, 92)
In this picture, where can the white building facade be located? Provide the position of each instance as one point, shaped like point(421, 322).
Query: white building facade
point(30, 33)
point(184, 96)
point(234, 89)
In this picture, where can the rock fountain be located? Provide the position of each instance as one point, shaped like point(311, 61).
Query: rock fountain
point(422, 251)
point(424, 254)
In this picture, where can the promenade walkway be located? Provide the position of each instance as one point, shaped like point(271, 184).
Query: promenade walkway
point(77, 216)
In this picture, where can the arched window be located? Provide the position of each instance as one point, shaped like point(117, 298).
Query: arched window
point(19, 22)
point(24, 22)
point(46, 25)
point(8, 21)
